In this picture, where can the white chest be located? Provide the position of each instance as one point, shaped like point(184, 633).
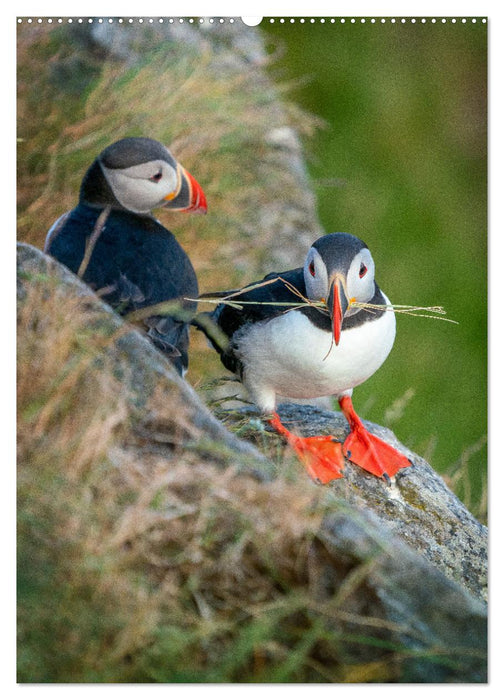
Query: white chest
point(291, 357)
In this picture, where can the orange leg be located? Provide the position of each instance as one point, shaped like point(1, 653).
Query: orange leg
point(322, 455)
point(368, 451)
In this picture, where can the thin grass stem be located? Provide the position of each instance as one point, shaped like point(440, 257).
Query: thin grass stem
point(228, 299)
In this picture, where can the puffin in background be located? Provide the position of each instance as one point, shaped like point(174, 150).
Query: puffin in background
point(305, 351)
point(114, 243)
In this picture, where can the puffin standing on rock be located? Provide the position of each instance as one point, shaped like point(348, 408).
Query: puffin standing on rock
point(307, 333)
point(114, 243)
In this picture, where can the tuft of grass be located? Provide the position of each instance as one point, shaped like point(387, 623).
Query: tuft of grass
point(68, 401)
point(460, 479)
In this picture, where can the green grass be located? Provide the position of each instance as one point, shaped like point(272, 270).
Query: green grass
point(402, 164)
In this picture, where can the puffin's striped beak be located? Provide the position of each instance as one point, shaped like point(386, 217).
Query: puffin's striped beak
point(198, 200)
point(337, 304)
point(189, 195)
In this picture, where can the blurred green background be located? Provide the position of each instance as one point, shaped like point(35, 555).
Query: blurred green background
point(402, 163)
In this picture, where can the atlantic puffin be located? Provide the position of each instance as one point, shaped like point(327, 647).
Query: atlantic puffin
point(114, 243)
point(286, 347)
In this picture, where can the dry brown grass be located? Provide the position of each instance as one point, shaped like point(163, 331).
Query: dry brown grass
point(142, 560)
point(63, 387)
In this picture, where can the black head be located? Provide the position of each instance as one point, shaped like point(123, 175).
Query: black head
point(139, 174)
point(338, 249)
point(135, 151)
point(339, 270)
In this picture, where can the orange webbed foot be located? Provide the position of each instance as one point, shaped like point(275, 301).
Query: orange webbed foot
point(374, 455)
point(322, 455)
point(368, 451)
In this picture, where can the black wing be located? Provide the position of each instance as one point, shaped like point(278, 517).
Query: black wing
point(268, 298)
point(136, 263)
point(276, 287)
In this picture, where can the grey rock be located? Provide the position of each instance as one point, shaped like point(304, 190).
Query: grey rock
point(444, 628)
point(418, 507)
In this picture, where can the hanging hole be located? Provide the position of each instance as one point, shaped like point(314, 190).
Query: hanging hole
point(251, 21)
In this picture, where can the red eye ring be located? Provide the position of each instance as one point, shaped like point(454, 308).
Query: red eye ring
point(157, 177)
point(363, 270)
point(311, 268)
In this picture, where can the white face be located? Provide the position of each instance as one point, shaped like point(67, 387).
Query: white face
point(141, 188)
point(358, 280)
point(360, 277)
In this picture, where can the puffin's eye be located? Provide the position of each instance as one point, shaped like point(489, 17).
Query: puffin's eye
point(157, 177)
point(311, 268)
point(363, 270)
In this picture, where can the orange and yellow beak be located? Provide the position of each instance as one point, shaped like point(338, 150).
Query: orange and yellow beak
point(188, 196)
point(337, 304)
